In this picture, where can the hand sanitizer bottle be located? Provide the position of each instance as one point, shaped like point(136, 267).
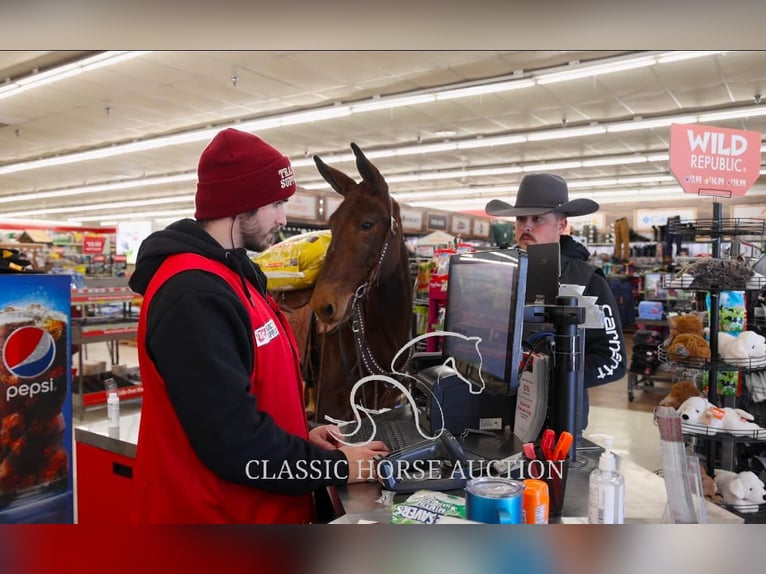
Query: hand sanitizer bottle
point(112, 408)
point(606, 494)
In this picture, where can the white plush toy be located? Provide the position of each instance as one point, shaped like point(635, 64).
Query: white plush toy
point(700, 411)
point(747, 348)
point(742, 490)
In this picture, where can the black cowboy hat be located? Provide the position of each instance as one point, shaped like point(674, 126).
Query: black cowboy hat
point(541, 193)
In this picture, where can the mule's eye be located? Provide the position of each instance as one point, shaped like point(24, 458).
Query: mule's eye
point(365, 225)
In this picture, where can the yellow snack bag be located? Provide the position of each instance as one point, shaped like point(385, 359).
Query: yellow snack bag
point(295, 262)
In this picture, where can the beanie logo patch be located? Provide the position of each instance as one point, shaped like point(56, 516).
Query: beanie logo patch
point(266, 333)
point(286, 177)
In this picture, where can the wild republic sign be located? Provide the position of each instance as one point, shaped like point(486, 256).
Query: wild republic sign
point(708, 160)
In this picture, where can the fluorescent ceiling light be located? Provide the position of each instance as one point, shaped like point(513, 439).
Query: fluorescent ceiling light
point(479, 203)
point(491, 141)
point(143, 145)
point(464, 192)
point(66, 71)
point(649, 124)
point(100, 188)
point(425, 148)
point(25, 221)
point(335, 111)
point(589, 71)
point(314, 115)
point(188, 212)
point(552, 166)
point(98, 206)
point(393, 102)
point(627, 180)
point(685, 55)
point(748, 112)
point(484, 89)
point(614, 161)
point(400, 178)
point(565, 133)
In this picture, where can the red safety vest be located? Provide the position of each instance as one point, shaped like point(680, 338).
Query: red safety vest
point(171, 483)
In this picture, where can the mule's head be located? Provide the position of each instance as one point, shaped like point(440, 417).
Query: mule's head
point(366, 239)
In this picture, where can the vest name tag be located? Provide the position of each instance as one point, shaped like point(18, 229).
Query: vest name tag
point(266, 333)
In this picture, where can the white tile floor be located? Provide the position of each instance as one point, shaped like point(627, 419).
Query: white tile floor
point(635, 434)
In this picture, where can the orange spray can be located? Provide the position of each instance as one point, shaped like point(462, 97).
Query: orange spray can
point(536, 501)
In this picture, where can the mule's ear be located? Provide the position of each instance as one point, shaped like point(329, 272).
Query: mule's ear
point(339, 181)
point(369, 172)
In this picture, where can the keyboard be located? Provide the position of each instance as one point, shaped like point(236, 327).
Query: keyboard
point(397, 430)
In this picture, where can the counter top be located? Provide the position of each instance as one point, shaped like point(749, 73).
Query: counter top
point(645, 498)
point(97, 434)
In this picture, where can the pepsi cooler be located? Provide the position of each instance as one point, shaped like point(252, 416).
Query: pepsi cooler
point(35, 399)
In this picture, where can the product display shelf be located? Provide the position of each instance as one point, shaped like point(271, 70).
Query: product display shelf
point(647, 382)
point(103, 312)
point(719, 447)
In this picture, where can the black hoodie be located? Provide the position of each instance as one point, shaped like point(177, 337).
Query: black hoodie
point(191, 314)
point(605, 359)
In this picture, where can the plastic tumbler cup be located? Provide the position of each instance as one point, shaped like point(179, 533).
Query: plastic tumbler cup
point(494, 500)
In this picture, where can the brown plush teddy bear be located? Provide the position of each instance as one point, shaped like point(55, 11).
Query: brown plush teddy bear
point(687, 343)
point(679, 392)
point(687, 323)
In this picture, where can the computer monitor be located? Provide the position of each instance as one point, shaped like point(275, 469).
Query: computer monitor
point(485, 299)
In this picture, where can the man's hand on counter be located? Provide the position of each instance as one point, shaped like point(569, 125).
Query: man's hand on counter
point(361, 460)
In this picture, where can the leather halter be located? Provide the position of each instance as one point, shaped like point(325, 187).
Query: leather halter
point(365, 359)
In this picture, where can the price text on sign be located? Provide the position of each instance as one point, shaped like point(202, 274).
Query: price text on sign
point(708, 160)
point(93, 243)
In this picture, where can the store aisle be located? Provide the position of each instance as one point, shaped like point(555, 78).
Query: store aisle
point(631, 424)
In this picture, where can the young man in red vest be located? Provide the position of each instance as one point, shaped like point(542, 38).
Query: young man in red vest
point(223, 435)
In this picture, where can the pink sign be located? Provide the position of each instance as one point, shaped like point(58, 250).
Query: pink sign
point(707, 160)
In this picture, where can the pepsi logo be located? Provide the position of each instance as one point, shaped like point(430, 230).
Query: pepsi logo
point(29, 352)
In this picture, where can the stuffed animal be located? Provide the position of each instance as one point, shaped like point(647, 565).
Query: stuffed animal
point(700, 412)
point(689, 348)
point(709, 488)
point(747, 348)
point(709, 272)
point(744, 491)
point(687, 323)
point(679, 392)
point(686, 342)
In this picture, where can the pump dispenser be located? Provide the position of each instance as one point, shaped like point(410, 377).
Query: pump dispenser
point(112, 408)
point(606, 494)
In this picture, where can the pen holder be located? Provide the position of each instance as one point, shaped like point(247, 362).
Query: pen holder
point(554, 474)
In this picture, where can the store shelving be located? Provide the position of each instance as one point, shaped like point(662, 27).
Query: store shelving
point(720, 447)
point(103, 312)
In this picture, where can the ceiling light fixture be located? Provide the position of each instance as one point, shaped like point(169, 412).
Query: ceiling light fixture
point(66, 71)
point(480, 201)
point(595, 70)
point(480, 90)
point(685, 55)
point(100, 188)
point(336, 111)
point(188, 212)
point(649, 124)
point(98, 206)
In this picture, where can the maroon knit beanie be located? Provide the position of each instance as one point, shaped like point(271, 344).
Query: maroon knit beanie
point(239, 172)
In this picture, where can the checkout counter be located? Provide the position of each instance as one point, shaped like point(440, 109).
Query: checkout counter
point(645, 497)
point(105, 467)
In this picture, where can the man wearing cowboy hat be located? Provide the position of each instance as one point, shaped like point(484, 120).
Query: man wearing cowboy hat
point(541, 211)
